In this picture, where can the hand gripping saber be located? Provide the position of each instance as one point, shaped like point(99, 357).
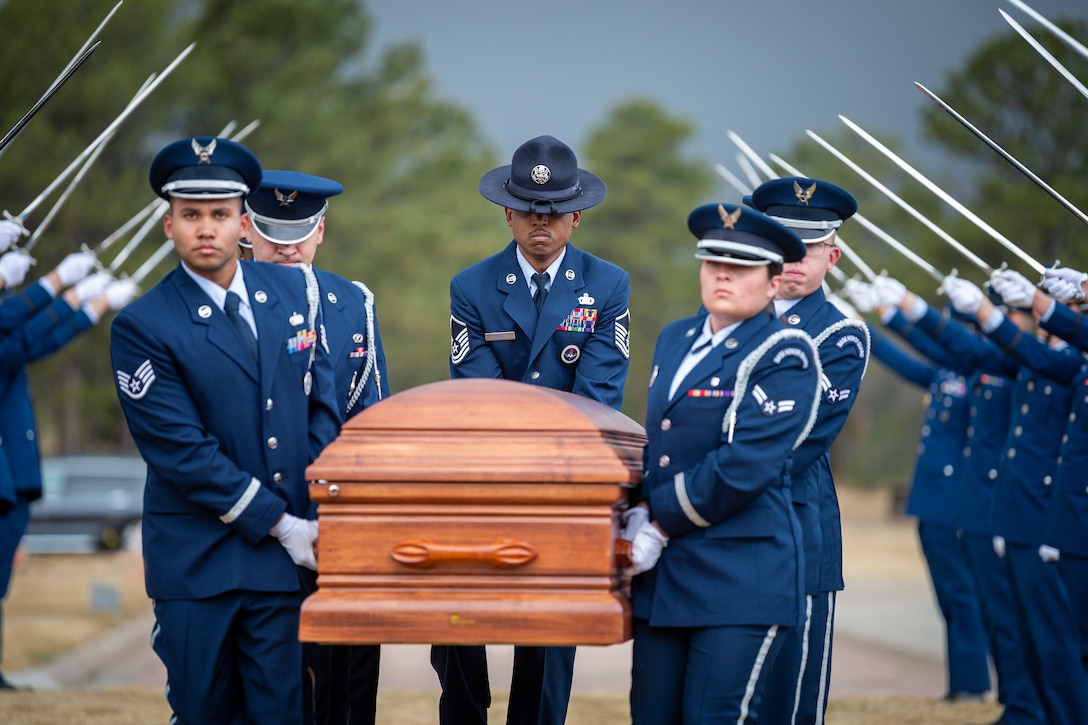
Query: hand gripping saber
point(847, 251)
point(142, 94)
point(945, 196)
point(902, 204)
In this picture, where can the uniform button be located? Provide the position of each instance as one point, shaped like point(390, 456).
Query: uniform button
point(535, 374)
point(943, 416)
point(1011, 453)
point(30, 435)
point(1024, 409)
point(273, 442)
point(666, 424)
point(1065, 439)
point(1, 441)
point(1046, 390)
point(268, 404)
point(1031, 385)
point(1018, 431)
point(970, 431)
point(988, 394)
point(1072, 417)
point(1046, 481)
point(947, 402)
point(664, 461)
point(277, 477)
point(1059, 460)
point(967, 452)
point(993, 473)
point(925, 430)
point(949, 470)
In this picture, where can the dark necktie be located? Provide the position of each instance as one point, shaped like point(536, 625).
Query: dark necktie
point(541, 281)
point(236, 319)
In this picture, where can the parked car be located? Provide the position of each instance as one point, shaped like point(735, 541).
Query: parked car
point(88, 503)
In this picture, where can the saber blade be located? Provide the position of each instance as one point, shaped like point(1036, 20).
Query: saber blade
point(1058, 32)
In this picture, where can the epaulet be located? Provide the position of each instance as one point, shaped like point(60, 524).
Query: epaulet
point(744, 371)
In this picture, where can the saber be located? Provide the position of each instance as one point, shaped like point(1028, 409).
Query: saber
point(946, 197)
point(124, 228)
point(1069, 39)
point(153, 261)
point(142, 94)
point(847, 252)
point(60, 81)
point(902, 204)
point(1046, 54)
point(880, 233)
point(749, 171)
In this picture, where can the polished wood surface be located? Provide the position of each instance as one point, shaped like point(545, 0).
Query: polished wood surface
point(474, 512)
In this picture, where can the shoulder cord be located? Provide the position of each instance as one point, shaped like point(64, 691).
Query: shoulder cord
point(370, 365)
point(848, 322)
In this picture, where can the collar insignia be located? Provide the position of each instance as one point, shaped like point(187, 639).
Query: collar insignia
point(728, 220)
point(204, 153)
point(803, 195)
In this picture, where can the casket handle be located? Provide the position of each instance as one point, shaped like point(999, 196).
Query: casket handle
point(503, 554)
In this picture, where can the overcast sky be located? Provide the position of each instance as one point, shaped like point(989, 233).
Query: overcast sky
point(766, 69)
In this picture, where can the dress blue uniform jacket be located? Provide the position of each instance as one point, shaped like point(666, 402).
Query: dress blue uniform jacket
point(350, 325)
point(717, 480)
point(51, 324)
point(844, 356)
point(1040, 411)
point(226, 442)
point(580, 343)
point(990, 388)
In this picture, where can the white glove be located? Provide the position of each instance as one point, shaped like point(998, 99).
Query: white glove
point(646, 549)
point(298, 537)
point(999, 546)
point(91, 287)
point(1013, 287)
point(75, 267)
point(1062, 290)
point(963, 295)
point(633, 519)
point(1049, 554)
point(9, 234)
point(889, 292)
point(861, 294)
point(13, 267)
point(1071, 276)
point(120, 292)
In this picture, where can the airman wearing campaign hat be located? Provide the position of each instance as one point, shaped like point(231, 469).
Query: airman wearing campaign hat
point(812, 208)
point(204, 167)
point(745, 237)
point(287, 206)
point(543, 178)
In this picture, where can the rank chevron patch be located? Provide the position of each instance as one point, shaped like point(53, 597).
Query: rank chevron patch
point(138, 383)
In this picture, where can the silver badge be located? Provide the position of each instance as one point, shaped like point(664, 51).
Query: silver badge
point(307, 382)
point(570, 354)
point(295, 319)
point(715, 382)
point(332, 298)
point(793, 319)
point(653, 376)
point(585, 299)
point(260, 296)
point(204, 311)
point(731, 343)
point(357, 338)
point(690, 332)
point(540, 174)
point(204, 153)
point(511, 279)
point(570, 274)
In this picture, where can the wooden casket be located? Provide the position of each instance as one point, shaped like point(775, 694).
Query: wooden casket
point(474, 512)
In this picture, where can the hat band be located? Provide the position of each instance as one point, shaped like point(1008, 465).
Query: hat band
point(795, 223)
point(537, 197)
point(724, 250)
point(205, 189)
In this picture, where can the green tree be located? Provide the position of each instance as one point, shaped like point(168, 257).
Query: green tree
point(328, 104)
point(642, 225)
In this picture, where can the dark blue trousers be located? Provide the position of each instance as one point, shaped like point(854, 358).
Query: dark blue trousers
point(798, 683)
point(1050, 633)
point(1015, 688)
point(1074, 571)
point(233, 658)
point(539, 687)
point(954, 585)
point(701, 675)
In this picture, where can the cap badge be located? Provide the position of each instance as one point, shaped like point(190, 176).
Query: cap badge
point(728, 220)
point(540, 174)
point(204, 153)
point(285, 199)
point(585, 299)
point(803, 195)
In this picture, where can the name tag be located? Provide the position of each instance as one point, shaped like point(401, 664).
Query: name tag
point(498, 336)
